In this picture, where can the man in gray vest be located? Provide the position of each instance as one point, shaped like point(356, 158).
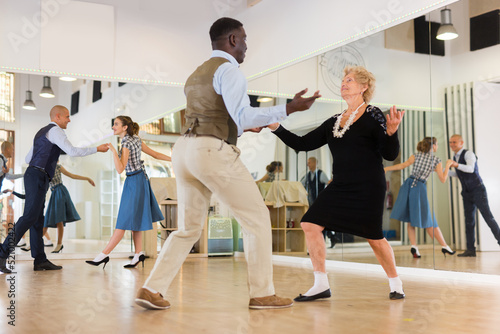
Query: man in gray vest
point(473, 193)
point(206, 161)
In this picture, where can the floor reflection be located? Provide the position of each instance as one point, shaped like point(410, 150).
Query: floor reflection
point(483, 263)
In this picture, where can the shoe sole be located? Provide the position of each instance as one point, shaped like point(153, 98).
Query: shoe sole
point(259, 307)
point(150, 306)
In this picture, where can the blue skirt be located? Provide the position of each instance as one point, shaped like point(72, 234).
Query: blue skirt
point(60, 208)
point(138, 207)
point(412, 205)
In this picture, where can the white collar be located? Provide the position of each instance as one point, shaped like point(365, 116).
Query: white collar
point(224, 54)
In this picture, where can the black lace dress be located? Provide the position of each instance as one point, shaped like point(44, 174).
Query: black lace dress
point(354, 201)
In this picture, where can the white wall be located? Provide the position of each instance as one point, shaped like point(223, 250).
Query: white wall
point(487, 118)
point(166, 40)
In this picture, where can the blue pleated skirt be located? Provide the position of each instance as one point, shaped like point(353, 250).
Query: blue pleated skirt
point(60, 208)
point(138, 207)
point(412, 205)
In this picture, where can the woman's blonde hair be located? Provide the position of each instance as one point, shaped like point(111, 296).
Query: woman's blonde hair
point(363, 77)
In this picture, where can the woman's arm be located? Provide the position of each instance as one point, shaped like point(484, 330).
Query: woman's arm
point(76, 177)
point(402, 165)
point(22, 196)
point(264, 178)
point(385, 133)
point(157, 155)
point(443, 174)
point(311, 141)
point(119, 163)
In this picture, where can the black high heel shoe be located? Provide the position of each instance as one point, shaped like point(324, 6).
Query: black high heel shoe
point(58, 250)
point(415, 254)
point(105, 261)
point(445, 251)
point(142, 257)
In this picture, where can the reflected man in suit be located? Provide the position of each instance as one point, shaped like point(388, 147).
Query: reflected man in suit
point(315, 181)
point(473, 193)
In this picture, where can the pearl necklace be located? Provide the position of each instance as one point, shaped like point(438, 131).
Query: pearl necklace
point(336, 127)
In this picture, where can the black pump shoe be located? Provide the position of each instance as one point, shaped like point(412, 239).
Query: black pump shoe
point(105, 261)
point(56, 250)
point(325, 294)
point(445, 251)
point(142, 257)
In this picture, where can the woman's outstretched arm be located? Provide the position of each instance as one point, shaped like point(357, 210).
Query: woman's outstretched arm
point(402, 165)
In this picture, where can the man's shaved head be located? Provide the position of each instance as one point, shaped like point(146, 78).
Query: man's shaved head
point(57, 110)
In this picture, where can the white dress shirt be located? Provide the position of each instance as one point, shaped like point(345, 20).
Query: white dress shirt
point(470, 160)
point(230, 82)
point(58, 137)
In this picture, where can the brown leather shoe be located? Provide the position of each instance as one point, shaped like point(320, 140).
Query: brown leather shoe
point(151, 301)
point(270, 302)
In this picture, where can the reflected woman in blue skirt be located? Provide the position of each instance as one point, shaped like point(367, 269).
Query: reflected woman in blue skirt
point(138, 207)
point(60, 209)
point(412, 204)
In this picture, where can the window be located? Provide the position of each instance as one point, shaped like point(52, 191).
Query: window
point(6, 97)
point(170, 124)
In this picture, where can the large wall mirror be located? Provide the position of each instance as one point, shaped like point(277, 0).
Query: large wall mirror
point(426, 77)
point(444, 87)
point(93, 105)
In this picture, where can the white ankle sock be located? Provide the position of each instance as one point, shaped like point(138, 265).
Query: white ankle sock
point(320, 284)
point(448, 249)
point(100, 257)
point(149, 289)
point(416, 249)
point(396, 284)
point(136, 258)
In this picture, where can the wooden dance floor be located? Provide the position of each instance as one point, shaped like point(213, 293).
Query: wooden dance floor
point(210, 296)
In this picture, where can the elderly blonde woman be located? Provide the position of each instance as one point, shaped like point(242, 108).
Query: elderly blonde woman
point(353, 202)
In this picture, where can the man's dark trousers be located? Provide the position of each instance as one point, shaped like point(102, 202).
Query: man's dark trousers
point(477, 199)
point(36, 185)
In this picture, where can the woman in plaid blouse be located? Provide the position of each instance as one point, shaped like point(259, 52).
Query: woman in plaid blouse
point(138, 207)
point(412, 205)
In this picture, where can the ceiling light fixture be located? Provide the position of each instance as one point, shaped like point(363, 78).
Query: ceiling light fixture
point(446, 31)
point(29, 104)
point(67, 79)
point(263, 99)
point(47, 91)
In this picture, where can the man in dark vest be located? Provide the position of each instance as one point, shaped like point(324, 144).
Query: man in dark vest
point(315, 181)
point(206, 161)
point(473, 193)
point(42, 159)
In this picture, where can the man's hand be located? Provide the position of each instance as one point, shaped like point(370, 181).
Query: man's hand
point(102, 148)
point(451, 163)
point(300, 103)
point(394, 118)
point(5, 170)
point(256, 130)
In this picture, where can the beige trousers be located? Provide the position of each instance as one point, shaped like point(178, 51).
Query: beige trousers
point(204, 166)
